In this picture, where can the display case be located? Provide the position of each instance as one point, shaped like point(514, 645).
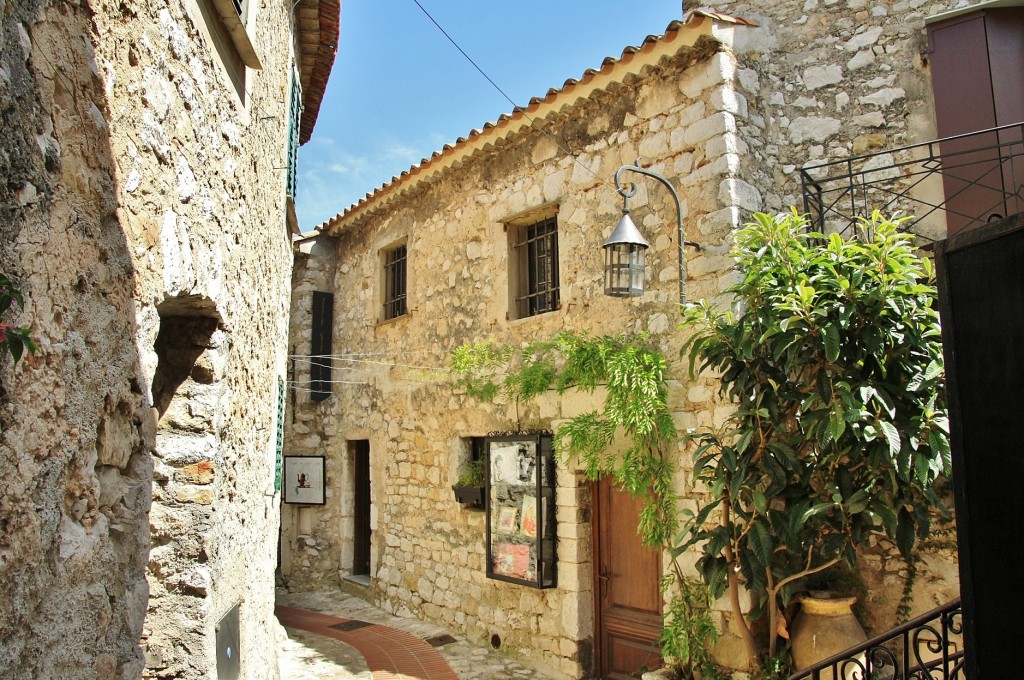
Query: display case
point(521, 509)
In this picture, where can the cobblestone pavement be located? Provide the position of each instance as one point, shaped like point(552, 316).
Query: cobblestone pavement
point(308, 656)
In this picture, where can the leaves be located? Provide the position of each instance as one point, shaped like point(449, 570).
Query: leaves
point(13, 340)
point(834, 362)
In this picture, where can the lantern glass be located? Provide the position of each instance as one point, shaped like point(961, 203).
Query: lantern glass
point(624, 269)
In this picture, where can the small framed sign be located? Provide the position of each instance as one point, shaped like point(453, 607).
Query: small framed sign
point(305, 479)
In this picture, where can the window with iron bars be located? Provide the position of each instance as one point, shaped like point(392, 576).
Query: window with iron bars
point(395, 282)
point(535, 261)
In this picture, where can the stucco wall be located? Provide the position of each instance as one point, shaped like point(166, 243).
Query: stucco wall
point(145, 201)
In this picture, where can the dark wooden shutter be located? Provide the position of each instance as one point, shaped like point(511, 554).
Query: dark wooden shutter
point(976, 62)
point(320, 366)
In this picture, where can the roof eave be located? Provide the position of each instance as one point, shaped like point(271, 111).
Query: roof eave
point(678, 35)
point(318, 25)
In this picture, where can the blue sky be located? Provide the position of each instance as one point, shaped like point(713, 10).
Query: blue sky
point(400, 91)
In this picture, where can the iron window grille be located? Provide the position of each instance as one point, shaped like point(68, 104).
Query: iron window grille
point(537, 258)
point(395, 283)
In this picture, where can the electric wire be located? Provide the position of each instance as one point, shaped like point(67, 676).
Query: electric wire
point(522, 109)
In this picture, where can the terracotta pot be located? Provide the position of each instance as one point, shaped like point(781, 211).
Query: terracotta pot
point(824, 626)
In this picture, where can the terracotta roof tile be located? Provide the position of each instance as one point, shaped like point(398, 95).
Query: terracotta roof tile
point(319, 25)
point(607, 66)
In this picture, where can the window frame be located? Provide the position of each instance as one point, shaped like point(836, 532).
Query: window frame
point(395, 281)
point(534, 276)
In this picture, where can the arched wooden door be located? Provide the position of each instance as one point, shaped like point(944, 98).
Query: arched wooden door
point(626, 587)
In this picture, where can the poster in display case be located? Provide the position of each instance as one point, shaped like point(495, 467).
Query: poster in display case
point(521, 502)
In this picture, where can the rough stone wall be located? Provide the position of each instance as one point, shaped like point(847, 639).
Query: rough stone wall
point(428, 552)
point(145, 214)
point(837, 78)
point(308, 560)
point(76, 435)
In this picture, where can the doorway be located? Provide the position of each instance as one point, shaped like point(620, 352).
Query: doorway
point(360, 450)
point(626, 586)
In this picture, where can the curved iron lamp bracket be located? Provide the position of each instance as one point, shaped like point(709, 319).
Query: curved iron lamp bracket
point(628, 193)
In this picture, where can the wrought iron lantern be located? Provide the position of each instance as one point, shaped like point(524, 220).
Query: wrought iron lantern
point(624, 259)
point(625, 249)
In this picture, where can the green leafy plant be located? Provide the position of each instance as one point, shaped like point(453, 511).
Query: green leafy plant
point(834, 362)
point(13, 340)
point(689, 628)
point(632, 373)
point(471, 473)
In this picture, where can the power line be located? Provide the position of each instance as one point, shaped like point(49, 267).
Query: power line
point(522, 109)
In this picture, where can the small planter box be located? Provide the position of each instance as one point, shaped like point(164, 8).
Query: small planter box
point(470, 495)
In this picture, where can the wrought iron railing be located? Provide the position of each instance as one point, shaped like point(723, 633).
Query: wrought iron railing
point(929, 647)
point(955, 183)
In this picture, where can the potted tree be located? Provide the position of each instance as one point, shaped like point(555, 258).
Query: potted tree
point(470, 486)
point(834, 362)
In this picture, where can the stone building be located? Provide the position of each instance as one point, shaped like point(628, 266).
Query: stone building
point(146, 213)
point(729, 110)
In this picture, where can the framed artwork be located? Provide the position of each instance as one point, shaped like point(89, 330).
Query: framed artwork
point(305, 480)
point(511, 560)
point(529, 523)
point(507, 520)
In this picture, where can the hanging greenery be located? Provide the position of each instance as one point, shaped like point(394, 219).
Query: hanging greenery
point(834, 361)
point(632, 372)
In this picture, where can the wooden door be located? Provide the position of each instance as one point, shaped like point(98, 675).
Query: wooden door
point(627, 574)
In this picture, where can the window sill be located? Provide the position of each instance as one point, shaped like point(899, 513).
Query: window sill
point(239, 36)
point(393, 321)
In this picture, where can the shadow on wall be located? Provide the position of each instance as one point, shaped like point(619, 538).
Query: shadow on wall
point(75, 425)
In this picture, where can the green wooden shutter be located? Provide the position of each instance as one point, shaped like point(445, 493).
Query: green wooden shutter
point(279, 459)
point(294, 115)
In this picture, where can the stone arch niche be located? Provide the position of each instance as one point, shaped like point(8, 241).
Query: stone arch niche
point(187, 394)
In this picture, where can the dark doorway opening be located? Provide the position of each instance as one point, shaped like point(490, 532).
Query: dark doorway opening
point(360, 451)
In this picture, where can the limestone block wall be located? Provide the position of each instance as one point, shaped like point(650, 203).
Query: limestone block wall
point(838, 78)
point(310, 555)
point(144, 213)
point(428, 554)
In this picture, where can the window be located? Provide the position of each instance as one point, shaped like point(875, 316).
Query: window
point(394, 282)
point(534, 267)
point(227, 24)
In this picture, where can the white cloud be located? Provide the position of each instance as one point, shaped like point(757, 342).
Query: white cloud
point(331, 180)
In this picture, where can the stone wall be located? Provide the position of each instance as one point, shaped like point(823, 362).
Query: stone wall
point(428, 552)
point(837, 78)
point(144, 213)
point(76, 432)
point(728, 126)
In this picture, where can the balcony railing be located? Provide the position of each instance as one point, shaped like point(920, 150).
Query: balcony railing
point(929, 647)
point(945, 185)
